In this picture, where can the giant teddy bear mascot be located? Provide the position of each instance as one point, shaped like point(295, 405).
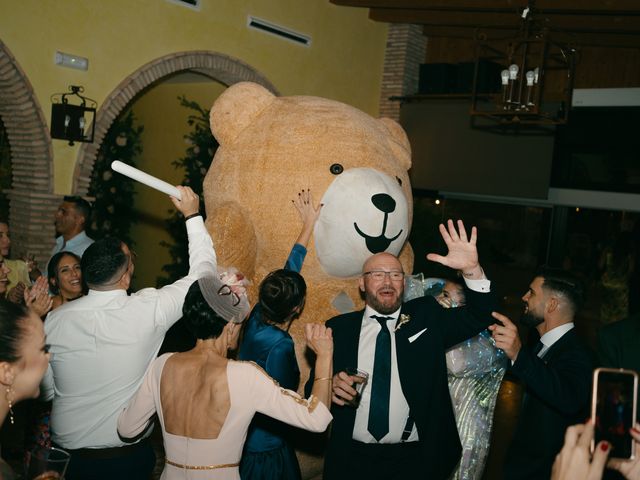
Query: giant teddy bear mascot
point(270, 148)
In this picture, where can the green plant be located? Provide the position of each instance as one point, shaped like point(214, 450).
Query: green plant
point(196, 162)
point(112, 213)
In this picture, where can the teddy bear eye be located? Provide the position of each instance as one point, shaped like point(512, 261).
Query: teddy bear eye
point(336, 169)
point(399, 181)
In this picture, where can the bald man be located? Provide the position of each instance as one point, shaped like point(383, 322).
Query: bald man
point(403, 426)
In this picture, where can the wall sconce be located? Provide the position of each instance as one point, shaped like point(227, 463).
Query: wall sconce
point(70, 121)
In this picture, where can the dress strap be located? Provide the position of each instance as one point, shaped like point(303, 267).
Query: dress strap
point(198, 467)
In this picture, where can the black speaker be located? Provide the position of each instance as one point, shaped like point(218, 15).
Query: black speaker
point(488, 77)
point(436, 78)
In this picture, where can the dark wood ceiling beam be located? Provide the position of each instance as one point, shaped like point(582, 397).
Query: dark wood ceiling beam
point(581, 39)
point(602, 24)
point(558, 6)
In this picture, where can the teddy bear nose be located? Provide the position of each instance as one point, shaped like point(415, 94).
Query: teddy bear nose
point(383, 202)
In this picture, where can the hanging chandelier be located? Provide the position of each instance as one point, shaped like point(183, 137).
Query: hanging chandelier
point(536, 79)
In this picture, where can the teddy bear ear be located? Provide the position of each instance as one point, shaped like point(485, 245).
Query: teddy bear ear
point(399, 142)
point(236, 108)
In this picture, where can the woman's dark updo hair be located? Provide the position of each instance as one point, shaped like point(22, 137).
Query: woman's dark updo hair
point(11, 330)
point(281, 292)
point(199, 318)
point(52, 270)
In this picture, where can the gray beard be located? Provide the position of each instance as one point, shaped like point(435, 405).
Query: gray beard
point(529, 319)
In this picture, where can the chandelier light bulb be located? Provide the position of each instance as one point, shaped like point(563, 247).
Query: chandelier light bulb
point(536, 75)
point(530, 77)
point(67, 119)
point(505, 77)
point(513, 71)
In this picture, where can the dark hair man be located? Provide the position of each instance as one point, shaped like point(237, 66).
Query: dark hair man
point(556, 372)
point(102, 344)
point(71, 219)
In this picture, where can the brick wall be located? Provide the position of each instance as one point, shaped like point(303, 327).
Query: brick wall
point(405, 51)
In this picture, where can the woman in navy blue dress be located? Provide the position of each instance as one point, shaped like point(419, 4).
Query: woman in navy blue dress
point(267, 454)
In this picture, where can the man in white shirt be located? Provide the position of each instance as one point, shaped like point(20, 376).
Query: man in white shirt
point(556, 372)
point(71, 219)
point(404, 426)
point(101, 346)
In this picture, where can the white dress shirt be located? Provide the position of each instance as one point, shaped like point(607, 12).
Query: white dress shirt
point(398, 405)
point(77, 244)
point(102, 344)
point(552, 336)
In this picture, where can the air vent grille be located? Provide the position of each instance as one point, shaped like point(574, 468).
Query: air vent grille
point(192, 4)
point(282, 32)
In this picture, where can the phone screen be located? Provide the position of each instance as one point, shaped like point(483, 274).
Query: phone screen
point(614, 411)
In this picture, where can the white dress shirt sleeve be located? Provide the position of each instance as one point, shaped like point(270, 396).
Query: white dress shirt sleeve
point(482, 285)
point(202, 260)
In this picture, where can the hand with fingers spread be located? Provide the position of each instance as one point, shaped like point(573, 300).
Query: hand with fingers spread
point(506, 336)
point(629, 468)
point(462, 252)
point(308, 214)
point(574, 462)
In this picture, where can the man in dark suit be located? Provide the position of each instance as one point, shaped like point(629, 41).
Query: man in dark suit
point(556, 373)
point(619, 344)
point(404, 426)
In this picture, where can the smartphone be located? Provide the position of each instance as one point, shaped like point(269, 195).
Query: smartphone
point(613, 409)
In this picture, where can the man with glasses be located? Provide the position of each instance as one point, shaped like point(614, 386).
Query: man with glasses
point(556, 372)
point(101, 346)
point(404, 425)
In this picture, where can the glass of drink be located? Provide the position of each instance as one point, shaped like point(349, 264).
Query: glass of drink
point(360, 380)
point(46, 463)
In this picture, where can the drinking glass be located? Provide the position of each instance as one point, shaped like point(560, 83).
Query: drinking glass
point(47, 463)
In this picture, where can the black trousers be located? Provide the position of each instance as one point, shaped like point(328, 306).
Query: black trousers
point(399, 461)
point(132, 462)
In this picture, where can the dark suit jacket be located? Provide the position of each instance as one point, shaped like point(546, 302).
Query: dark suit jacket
point(618, 344)
point(557, 395)
point(423, 376)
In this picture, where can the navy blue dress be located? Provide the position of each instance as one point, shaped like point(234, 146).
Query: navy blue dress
point(267, 455)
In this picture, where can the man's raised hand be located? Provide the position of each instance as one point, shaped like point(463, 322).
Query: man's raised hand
point(462, 252)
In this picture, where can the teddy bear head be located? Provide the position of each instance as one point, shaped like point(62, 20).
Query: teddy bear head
point(271, 148)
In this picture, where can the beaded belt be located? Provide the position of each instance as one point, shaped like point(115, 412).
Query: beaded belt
point(204, 467)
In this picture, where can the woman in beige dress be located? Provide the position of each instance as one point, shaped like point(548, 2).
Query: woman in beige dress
point(205, 402)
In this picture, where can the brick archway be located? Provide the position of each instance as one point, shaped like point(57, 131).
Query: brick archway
point(227, 70)
point(31, 194)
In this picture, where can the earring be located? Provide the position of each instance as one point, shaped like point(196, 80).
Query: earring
point(9, 396)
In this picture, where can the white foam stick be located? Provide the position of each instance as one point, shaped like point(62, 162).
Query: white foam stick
point(145, 178)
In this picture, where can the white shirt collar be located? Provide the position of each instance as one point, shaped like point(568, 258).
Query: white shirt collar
point(553, 335)
point(368, 311)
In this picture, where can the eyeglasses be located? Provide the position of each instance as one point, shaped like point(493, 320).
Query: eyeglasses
point(379, 275)
point(226, 290)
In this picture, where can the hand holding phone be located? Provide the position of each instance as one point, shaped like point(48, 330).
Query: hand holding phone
point(614, 410)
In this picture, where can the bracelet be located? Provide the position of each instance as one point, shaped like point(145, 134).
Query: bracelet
point(193, 215)
point(323, 378)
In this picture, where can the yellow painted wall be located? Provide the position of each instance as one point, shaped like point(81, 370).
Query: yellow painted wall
point(344, 61)
point(165, 124)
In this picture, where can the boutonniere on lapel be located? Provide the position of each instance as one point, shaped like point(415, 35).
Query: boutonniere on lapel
point(404, 318)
